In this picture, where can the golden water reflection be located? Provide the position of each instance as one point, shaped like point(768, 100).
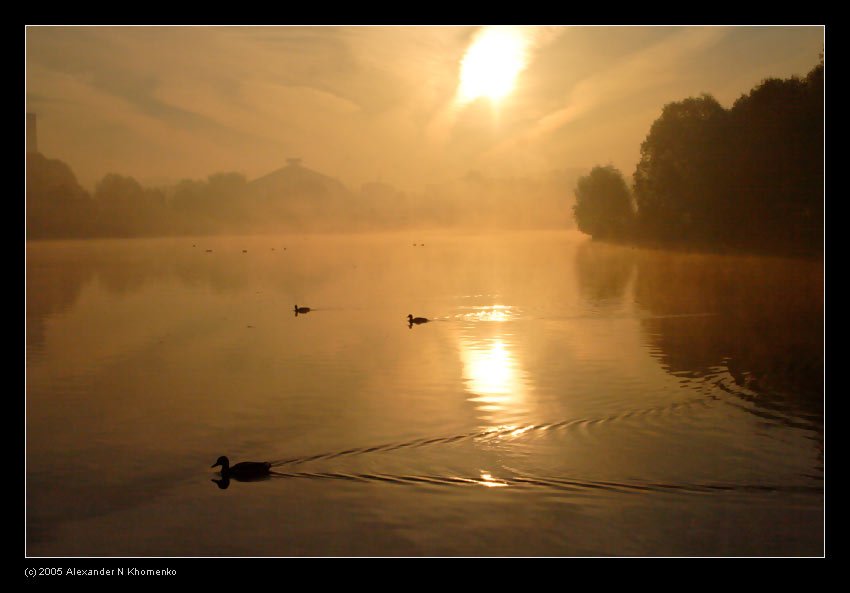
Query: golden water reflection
point(489, 481)
point(490, 370)
point(489, 313)
point(492, 374)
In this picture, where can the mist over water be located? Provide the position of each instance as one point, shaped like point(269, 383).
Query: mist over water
point(346, 254)
point(565, 398)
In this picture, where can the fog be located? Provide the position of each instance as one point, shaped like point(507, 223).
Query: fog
point(373, 103)
point(455, 291)
point(172, 130)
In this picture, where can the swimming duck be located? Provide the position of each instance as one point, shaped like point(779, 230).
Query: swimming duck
point(411, 319)
point(244, 470)
point(301, 309)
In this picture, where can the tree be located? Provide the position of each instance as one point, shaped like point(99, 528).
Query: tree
point(603, 207)
point(225, 197)
point(56, 204)
point(776, 143)
point(681, 166)
point(219, 203)
point(750, 177)
point(128, 209)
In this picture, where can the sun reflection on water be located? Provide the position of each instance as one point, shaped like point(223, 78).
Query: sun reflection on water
point(490, 370)
point(488, 480)
point(489, 313)
point(492, 374)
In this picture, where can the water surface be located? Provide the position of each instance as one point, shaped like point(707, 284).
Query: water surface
point(567, 398)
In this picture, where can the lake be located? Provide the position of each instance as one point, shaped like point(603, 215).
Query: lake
point(567, 398)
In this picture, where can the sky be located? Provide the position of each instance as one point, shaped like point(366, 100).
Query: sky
point(408, 106)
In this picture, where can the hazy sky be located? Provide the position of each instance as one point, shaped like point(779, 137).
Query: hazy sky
point(379, 103)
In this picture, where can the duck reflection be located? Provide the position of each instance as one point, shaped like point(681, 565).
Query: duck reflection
point(224, 482)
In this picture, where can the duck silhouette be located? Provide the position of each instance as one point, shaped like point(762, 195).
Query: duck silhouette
point(301, 310)
point(245, 470)
point(417, 320)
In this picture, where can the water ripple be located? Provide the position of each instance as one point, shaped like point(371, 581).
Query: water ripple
point(499, 432)
point(558, 483)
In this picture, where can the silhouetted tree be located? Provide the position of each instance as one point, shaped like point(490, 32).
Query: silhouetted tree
point(775, 143)
point(749, 177)
point(225, 197)
point(217, 204)
point(57, 206)
point(677, 178)
point(125, 208)
point(603, 207)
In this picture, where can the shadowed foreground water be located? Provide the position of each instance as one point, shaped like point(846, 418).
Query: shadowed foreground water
point(566, 398)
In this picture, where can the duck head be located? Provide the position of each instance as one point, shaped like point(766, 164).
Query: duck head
point(223, 462)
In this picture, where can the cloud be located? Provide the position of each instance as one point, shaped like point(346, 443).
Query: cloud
point(357, 102)
point(643, 71)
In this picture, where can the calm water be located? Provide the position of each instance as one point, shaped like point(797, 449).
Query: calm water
point(568, 398)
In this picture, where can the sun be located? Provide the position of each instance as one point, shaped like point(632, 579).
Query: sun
point(491, 64)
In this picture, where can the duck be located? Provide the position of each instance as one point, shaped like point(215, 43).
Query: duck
point(301, 309)
point(243, 470)
point(411, 319)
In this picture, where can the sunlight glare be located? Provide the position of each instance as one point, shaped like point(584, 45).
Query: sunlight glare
point(488, 480)
point(495, 382)
point(492, 64)
point(491, 371)
point(491, 313)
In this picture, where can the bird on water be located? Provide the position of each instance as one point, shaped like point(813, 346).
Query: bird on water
point(301, 309)
point(243, 470)
point(417, 320)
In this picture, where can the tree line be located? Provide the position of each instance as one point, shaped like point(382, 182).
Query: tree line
point(58, 207)
point(745, 178)
point(291, 198)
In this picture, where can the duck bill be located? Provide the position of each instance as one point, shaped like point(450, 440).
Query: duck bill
point(214, 465)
